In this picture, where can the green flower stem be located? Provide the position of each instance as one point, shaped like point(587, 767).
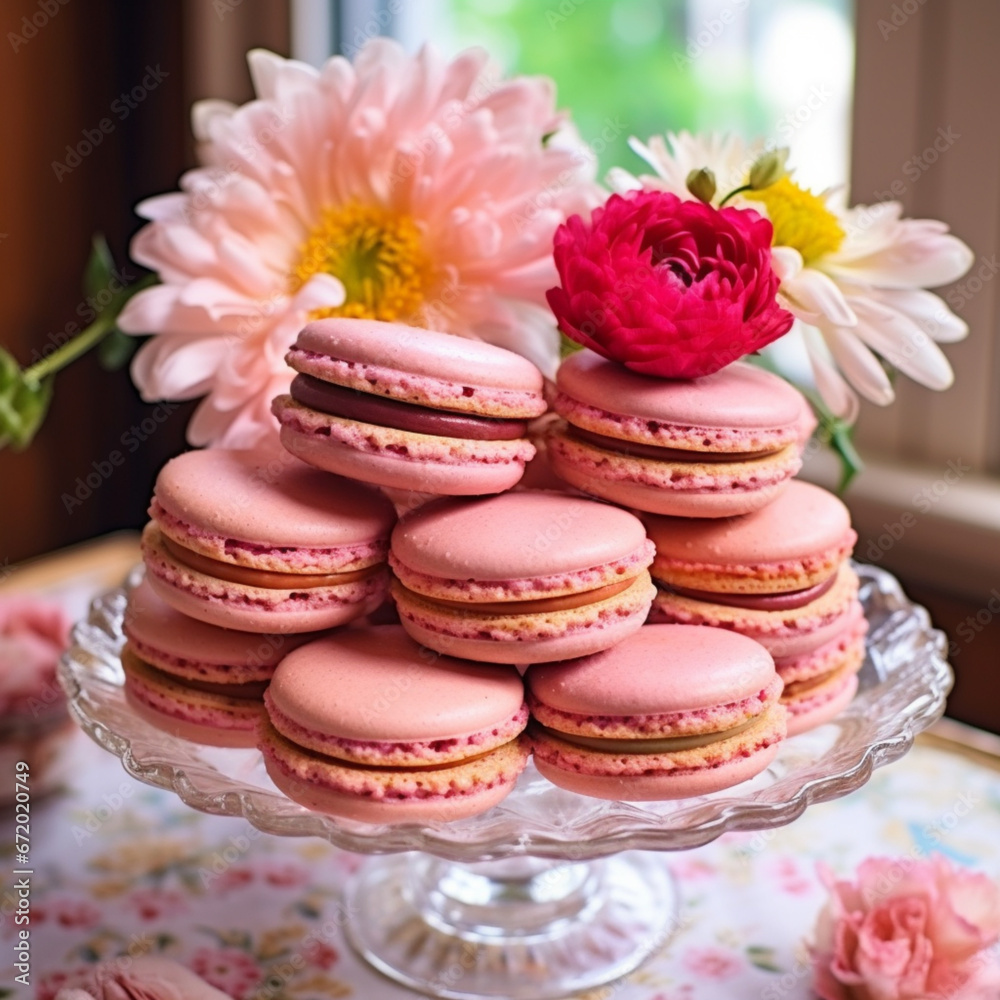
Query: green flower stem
point(70, 351)
point(735, 192)
point(89, 338)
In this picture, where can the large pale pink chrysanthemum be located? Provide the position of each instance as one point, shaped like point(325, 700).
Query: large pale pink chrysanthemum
point(856, 278)
point(404, 188)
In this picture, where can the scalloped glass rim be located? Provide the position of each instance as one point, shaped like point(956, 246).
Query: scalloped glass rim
point(904, 683)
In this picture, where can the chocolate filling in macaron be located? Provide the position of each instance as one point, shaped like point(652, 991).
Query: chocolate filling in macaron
point(408, 408)
point(353, 404)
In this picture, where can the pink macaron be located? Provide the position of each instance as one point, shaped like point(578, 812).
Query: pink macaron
point(250, 541)
point(673, 711)
point(409, 408)
point(715, 446)
point(781, 576)
point(521, 577)
point(367, 725)
point(195, 680)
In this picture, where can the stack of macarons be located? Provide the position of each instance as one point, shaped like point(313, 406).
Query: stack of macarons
point(673, 598)
point(780, 576)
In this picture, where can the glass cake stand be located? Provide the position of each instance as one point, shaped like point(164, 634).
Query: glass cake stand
point(547, 894)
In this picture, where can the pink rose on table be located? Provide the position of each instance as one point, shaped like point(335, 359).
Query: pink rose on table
point(906, 930)
point(147, 978)
point(667, 287)
point(33, 635)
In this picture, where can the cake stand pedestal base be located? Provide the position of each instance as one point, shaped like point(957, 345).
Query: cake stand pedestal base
point(521, 929)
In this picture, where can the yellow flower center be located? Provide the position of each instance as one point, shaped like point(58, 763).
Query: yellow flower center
point(800, 219)
point(377, 256)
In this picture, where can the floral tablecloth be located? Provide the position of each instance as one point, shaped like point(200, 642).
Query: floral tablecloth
point(120, 868)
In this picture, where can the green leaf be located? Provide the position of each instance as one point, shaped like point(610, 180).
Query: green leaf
point(116, 350)
point(23, 403)
point(762, 957)
point(100, 267)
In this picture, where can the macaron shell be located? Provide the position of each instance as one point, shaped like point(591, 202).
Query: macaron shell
point(794, 542)
point(662, 669)
point(378, 684)
point(255, 609)
point(194, 732)
point(185, 647)
point(352, 807)
point(224, 498)
point(400, 459)
point(517, 536)
point(680, 489)
point(846, 648)
point(665, 725)
point(442, 358)
point(811, 713)
point(403, 753)
point(526, 638)
point(387, 795)
point(639, 777)
point(755, 405)
point(660, 787)
point(203, 716)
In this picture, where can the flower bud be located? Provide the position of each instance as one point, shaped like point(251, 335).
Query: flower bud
point(701, 183)
point(769, 168)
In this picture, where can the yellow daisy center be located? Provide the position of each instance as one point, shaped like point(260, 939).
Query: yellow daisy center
point(800, 219)
point(378, 257)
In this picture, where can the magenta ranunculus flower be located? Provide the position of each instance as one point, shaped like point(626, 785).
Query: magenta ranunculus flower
point(668, 287)
point(908, 930)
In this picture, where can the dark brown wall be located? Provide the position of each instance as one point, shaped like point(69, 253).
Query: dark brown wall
point(58, 77)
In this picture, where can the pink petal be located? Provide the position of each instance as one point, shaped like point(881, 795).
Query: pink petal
point(818, 294)
point(904, 345)
point(921, 256)
point(859, 365)
point(834, 391)
point(926, 309)
point(178, 367)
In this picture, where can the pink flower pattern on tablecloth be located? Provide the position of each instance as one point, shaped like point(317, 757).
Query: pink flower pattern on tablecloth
point(228, 969)
point(233, 878)
point(69, 912)
point(321, 954)
point(155, 903)
point(712, 963)
point(285, 874)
